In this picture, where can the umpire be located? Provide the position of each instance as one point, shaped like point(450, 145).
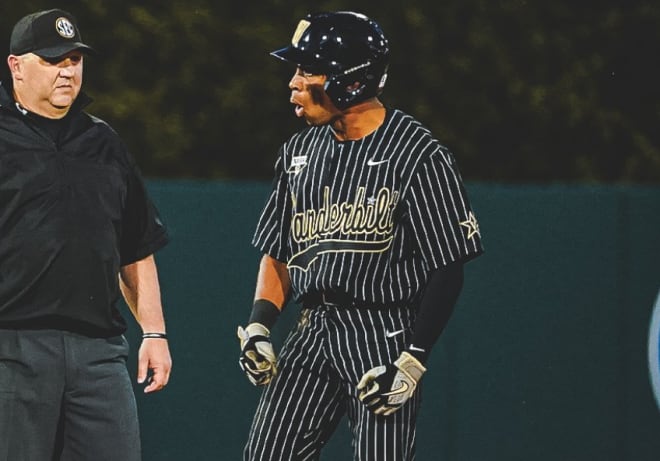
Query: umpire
point(74, 213)
point(367, 226)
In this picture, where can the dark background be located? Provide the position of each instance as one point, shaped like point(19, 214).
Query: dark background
point(544, 359)
point(521, 90)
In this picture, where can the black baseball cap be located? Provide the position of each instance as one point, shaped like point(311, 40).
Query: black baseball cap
point(49, 34)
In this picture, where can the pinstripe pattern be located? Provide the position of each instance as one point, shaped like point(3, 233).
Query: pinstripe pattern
point(321, 363)
point(370, 217)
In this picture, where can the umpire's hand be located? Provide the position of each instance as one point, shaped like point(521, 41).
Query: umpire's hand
point(386, 388)
point(257, 357)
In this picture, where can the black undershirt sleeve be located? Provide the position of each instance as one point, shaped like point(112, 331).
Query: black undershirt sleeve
point(435, 309)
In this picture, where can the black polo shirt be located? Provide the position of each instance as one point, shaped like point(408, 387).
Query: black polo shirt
point(73, 210)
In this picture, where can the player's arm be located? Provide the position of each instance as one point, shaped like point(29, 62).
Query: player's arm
point(272, 291)
point(386, 388)
point(271, 295)
point(141, 290)
point(435, 309)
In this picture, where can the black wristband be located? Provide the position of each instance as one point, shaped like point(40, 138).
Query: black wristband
point(154, 335)
point(265, 313)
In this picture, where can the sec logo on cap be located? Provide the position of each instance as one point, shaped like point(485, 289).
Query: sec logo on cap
point(65, 28)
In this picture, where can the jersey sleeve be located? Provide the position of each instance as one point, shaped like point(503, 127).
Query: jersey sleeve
point(272, 229)
point(143, 232)
point(444, 227)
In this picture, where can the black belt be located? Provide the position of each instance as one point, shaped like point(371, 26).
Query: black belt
point(339, 299)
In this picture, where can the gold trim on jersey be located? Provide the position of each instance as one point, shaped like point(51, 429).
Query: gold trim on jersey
point(303, 259)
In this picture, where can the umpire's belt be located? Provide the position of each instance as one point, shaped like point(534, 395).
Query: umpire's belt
point(339, 299)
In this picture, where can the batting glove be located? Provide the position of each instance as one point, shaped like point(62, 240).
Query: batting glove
point(257, 358)
point(384, 389)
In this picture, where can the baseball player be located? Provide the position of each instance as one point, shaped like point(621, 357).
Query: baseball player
point(367, 226)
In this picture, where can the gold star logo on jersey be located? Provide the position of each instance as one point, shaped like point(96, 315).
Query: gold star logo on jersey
point(472, 226)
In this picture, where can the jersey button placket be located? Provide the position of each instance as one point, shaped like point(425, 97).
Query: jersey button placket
point(331, 164)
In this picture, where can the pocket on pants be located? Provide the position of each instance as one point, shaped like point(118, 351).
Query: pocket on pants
point(119, 346)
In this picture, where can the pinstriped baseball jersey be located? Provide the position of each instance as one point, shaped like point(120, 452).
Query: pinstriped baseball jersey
point(371, 217)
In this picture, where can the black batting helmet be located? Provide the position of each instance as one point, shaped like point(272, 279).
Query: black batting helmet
point(348, 48)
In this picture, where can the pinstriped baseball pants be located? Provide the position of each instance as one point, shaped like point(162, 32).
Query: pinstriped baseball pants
point(320, 364)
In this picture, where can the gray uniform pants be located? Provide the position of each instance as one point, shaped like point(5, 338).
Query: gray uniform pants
point(319, 367)
point(65, 397)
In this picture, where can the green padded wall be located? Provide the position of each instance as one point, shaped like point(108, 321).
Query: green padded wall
point(544, 359)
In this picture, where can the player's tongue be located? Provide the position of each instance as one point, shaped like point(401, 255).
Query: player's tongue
point(299, 110)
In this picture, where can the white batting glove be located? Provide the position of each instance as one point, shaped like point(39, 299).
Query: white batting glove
point(257, 358)
point(384, 389)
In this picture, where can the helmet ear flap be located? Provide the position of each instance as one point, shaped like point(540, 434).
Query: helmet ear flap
point(359, 85)
point(344, 91)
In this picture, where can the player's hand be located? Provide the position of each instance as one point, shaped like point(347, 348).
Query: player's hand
point(257, 357)
point(384, 389)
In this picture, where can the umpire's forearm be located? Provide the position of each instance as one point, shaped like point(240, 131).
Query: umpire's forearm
point(141, 290)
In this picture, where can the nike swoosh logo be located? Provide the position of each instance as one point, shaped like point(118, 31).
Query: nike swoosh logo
point(372, 162)
point(391, 334)
point(402, 389)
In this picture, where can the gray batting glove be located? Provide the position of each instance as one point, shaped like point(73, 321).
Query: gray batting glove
point(384, 389)
point(257, 358)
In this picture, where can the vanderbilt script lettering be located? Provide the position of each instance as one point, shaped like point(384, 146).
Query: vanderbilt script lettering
point(346, 218)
